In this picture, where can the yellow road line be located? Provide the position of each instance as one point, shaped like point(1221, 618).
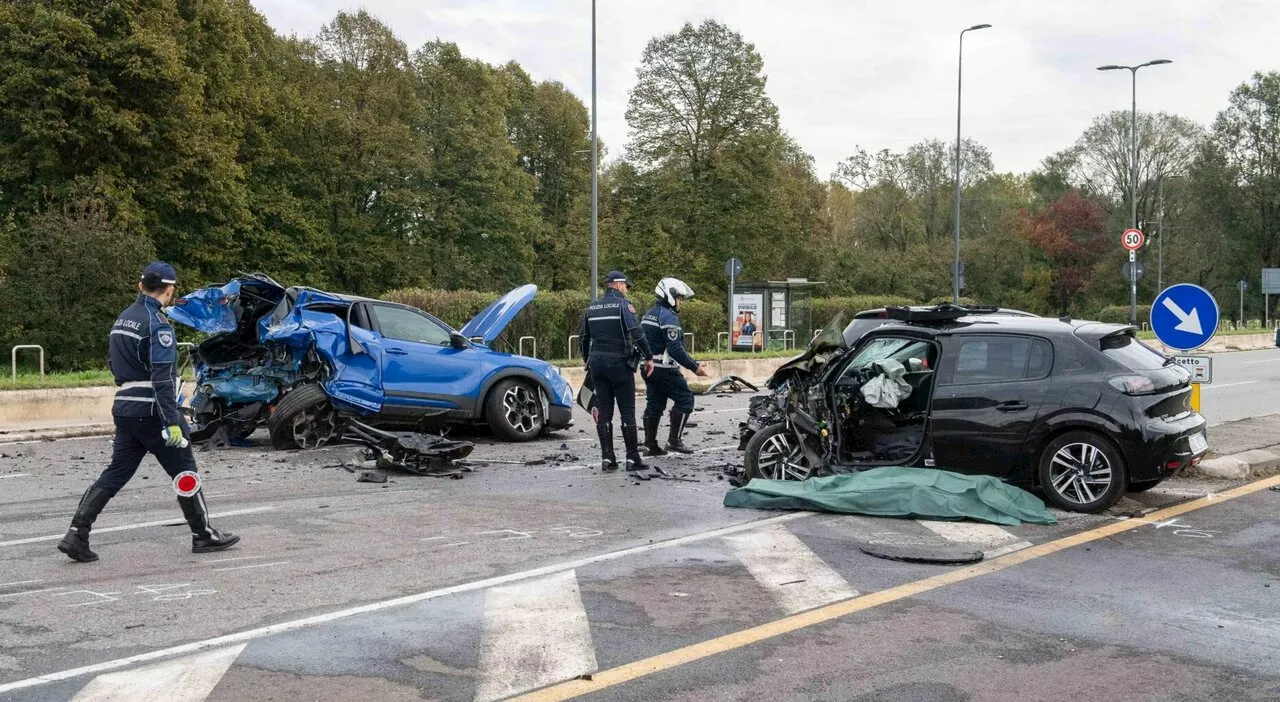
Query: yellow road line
point(671, 659)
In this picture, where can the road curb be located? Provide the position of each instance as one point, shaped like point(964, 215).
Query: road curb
point(54, 433)
point(1246, 464)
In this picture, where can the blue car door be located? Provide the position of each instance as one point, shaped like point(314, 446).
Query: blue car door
point(420, 367)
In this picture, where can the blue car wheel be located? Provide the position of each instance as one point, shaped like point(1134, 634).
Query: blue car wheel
point(514, 410)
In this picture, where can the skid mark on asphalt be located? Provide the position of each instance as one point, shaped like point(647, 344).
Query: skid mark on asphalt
point(188, 679)
point(795, 576)
point(535, 634)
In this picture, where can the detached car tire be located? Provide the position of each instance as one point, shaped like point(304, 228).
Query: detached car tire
point(1082, 471)
point(513, 410)
point(304, 419)
point(773, 453)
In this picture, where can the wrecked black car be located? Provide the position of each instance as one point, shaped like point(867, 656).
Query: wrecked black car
point(1082, 410)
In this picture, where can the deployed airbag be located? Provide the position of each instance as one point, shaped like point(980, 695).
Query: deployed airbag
point(888, 388)
point(899, 492)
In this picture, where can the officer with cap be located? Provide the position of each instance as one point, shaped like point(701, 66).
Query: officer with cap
point(612, 344)
point(666, 339)
point(144, 360)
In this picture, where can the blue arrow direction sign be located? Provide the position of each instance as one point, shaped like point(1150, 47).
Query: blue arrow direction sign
point(1184, 317)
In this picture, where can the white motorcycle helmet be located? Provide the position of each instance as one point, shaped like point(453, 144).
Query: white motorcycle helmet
point(671, 288)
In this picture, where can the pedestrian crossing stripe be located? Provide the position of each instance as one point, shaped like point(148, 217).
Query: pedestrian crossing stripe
point(536, 630)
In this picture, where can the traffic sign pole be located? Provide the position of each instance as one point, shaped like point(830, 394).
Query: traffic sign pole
point(1132, 240)
point(1133, 288)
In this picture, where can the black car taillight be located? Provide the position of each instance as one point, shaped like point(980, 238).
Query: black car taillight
point(1133, 384)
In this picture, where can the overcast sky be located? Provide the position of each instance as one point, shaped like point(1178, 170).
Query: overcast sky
point(877, 74)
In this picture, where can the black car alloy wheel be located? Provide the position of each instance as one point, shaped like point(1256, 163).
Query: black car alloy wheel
point(774, 453)
point(1082, 471)
point(515, 410)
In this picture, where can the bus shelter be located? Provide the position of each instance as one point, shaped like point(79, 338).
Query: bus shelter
point(771, 314)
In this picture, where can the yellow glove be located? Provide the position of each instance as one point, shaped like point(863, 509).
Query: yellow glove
point(173, 435)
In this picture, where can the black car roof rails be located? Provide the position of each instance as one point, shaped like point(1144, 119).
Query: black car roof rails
point(945, 312)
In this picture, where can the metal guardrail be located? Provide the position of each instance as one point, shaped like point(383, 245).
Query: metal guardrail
point(788, 335)
point(725, 336)
point(757, 341)
point(689, 342)
point(569, 345)
point(13, 358)
point(520, 345)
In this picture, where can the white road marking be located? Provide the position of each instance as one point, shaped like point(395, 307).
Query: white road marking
point(31, 592)
point(1206, 388)
point(256, 565)
point(535, 633)
point(15, 475)
point(296, 624)
point(189, 679)
point(21, 582)
point(228, 560)
point(793, 574)
point(143, 525)
point(994, 540)
point(1273, 359)
point(726, 411)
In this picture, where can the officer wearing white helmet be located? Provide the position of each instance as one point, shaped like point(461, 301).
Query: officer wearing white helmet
point(666, 340)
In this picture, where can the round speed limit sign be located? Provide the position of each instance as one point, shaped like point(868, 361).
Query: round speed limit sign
point(1132, 239)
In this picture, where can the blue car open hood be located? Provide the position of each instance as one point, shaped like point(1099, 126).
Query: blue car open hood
point(217, 310)
point(490, 323)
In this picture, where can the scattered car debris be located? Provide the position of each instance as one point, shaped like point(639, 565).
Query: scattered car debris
point(942, 555)
point(730, 383)
point(420, 454)
point(371, 476)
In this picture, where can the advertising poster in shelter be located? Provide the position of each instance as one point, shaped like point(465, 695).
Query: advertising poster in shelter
point(748, 320)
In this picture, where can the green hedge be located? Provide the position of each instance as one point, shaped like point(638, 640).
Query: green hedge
point(1119, 314)
point(553, 316)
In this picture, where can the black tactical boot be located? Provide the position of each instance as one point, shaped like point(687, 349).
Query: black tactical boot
point(632, 442)
point(651, 446)
point(204, 538)
point(675, 440)
point(76, 543)
point(608, 459)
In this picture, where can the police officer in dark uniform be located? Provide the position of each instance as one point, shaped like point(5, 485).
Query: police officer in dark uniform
point(144, 360)
point(612, 344)
point(666, 339)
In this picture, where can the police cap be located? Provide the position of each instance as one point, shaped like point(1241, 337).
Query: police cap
point(158, 272)
point(617, 277)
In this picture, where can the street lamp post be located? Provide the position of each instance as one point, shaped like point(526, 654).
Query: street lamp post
point(955, 264)
point(595, 154)
point(1133, 179)
point(1160, 233)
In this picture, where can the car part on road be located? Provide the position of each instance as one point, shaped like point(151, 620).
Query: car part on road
point(420, 454)
point(371, 476)
point(1082, 471)
point(918, 493)
point(941, 555)
point(729, 383)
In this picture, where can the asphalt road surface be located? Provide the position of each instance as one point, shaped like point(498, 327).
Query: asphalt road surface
point(529, 579)
point(1245, 384)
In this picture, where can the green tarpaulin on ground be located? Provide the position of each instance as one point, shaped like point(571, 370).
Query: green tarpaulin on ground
point(922, 493)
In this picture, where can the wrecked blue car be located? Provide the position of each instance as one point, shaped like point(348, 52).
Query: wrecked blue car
point(301, 361)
